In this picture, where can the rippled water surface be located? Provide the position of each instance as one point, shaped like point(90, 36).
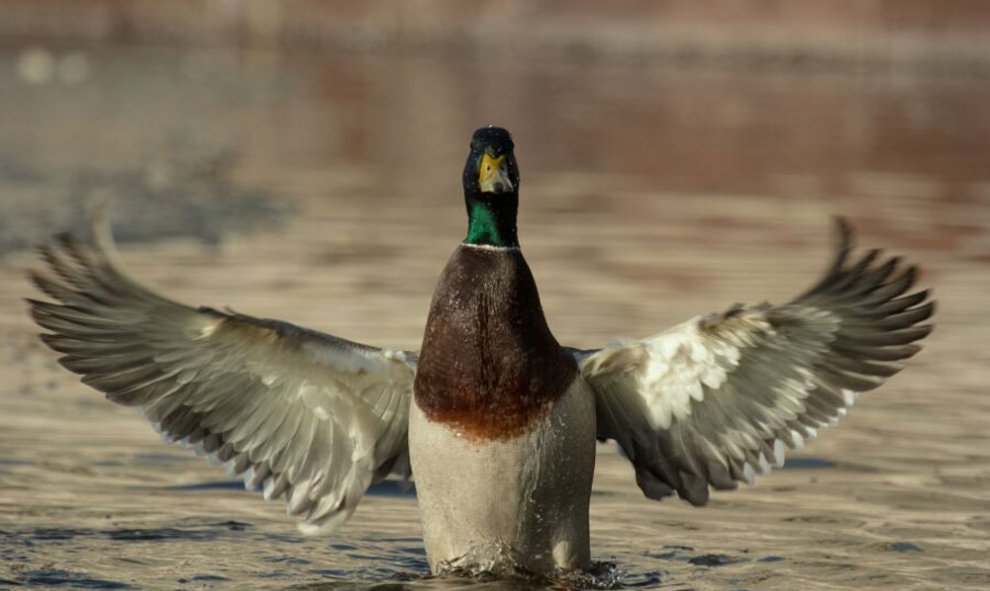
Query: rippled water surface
point(324, 189)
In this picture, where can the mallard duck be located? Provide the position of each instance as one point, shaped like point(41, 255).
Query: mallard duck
point(494, 418)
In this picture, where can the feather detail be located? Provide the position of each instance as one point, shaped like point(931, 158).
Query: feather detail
point(724, 394)
point(270, 400)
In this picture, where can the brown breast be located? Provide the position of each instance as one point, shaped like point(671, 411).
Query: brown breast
point(489, 365)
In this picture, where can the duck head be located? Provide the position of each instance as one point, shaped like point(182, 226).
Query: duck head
point(491, 189)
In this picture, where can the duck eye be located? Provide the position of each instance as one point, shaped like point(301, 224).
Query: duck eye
point(488, 167)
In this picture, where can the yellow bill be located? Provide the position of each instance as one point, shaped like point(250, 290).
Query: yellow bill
point(493, 174)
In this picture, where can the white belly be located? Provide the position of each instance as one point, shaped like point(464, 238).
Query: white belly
point(496, 505)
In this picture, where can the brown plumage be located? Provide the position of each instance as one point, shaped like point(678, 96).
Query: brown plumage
point(489, 365)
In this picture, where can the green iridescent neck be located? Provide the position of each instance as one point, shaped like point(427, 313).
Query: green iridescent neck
point(492, 219)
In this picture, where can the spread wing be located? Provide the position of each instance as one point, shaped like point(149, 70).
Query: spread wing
point(308, 416)
point(715, 400)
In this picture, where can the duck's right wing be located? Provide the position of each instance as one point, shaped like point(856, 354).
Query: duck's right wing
point(304, 414)
point(715, 400)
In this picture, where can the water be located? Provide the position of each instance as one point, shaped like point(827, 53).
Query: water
point(324, 189)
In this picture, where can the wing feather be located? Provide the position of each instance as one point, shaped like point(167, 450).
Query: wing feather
point(296, 412)
point(715, 401)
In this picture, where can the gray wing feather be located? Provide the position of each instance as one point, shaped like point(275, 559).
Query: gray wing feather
point(305, 415)
point(714, 401)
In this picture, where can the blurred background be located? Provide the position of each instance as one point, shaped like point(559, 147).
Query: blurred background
point(301, 159)
point(729, 122)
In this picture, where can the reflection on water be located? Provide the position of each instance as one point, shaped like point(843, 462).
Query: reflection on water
point(392, 128)
point(327, 186)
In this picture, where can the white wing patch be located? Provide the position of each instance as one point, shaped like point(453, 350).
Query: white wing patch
point(681, 364)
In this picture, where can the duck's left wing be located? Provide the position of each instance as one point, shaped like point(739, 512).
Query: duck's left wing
point(714, 401)
point(306, 415)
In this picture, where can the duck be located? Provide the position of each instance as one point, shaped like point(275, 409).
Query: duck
point(495, 421)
